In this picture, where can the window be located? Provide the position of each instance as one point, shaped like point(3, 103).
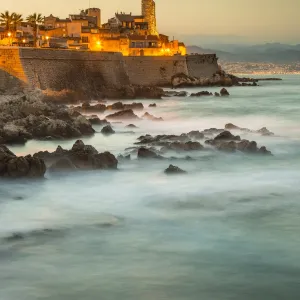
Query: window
point(85, 39)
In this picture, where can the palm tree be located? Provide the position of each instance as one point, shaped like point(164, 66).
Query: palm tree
point(6, 19)
point(16, 20)
point(35, 19)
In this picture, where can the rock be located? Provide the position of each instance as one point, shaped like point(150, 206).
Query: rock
point(212, 131)
point(146, 153)
point(171, 170)
point(83, 157)
point(265, 132)
point(121, 106)
point(144, 92)
point(12, 166)
point(175, 94)
point(200, 94)
point(217, 94)
point(62, 165)
point(224, 92)
point(226, 135)
point(197, 135)
point(105, 161)
point(86, 107)
point(151, 117)
point(152, 105)
point(131, 126)
point(107, 130)
point(231, 126)
point(123, 115)
point(14, 134)
point(26, 118)
point(78, 146)
point(95, 120)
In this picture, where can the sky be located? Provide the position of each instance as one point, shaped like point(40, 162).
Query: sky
point(226, 21)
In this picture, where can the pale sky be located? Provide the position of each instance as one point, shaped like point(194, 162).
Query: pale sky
point(254, 20)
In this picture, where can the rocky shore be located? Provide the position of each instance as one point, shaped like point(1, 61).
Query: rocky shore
point(33, 116)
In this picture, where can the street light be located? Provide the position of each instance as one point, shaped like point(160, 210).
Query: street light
point(9, 35)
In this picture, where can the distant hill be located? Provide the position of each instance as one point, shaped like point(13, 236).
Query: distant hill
point(272, 52)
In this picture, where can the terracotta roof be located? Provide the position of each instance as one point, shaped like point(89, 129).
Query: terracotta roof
point(125, 17)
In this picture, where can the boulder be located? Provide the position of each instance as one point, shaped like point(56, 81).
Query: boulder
point(12, 166)
point(217, 94)
point(150, 117)
point(83, 157)
point(62, 165)
point(107, 130)
point(95, 120)
point(173, 170)
point(231, 126)
point(196, 135)
point(224, 92)
point(200, 94)
point(265, 132)
point(144, 153)
point(152, 105)
point(227, 135)
point(123, 115)
point(175, 94)
point(146, 92)
point(131, 126)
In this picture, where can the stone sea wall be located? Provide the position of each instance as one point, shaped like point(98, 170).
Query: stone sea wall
point(202, 65)
point(154, 70)
point(91, 72)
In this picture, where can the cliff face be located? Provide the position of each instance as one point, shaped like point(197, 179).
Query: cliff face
point(92, 72)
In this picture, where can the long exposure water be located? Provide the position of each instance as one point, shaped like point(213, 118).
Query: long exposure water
point(229, 229)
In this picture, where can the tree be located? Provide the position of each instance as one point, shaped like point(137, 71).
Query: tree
point(6, 19)
point(35, 19)
point(16, 20)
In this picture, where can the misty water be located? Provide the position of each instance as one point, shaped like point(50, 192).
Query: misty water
point(228, 229)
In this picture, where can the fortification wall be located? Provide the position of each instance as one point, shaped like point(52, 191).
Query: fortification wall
point(93, 72)
point(61, 69)
point(154, 70)
point(12, 74)
point(202, 66)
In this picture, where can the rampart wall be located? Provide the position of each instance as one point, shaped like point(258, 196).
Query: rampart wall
point(154, 70)
point(204, 65)
point(91, 72)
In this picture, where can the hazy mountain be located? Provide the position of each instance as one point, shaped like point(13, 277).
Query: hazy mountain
point(271, 52)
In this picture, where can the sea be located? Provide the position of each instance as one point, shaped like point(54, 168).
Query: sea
point(226, 230)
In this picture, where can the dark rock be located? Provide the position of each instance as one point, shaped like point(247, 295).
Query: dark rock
point(94, 120)
point(107, 130)
point(171, 170)
point(123, 115)
point(131, 126)
point(200, 94)
point(197, 135)
point(212, 131)
point(152, 105)
point(151, 117)
point(231, 126)
point(144, 92)
point(121, 106)
point(265, 132)
point(217, 94)
point(146, 153)
point(175, 94)
point(12, 166)
point(83, 157)
point(224, 92)
point(227, 135)
point(62, 165)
